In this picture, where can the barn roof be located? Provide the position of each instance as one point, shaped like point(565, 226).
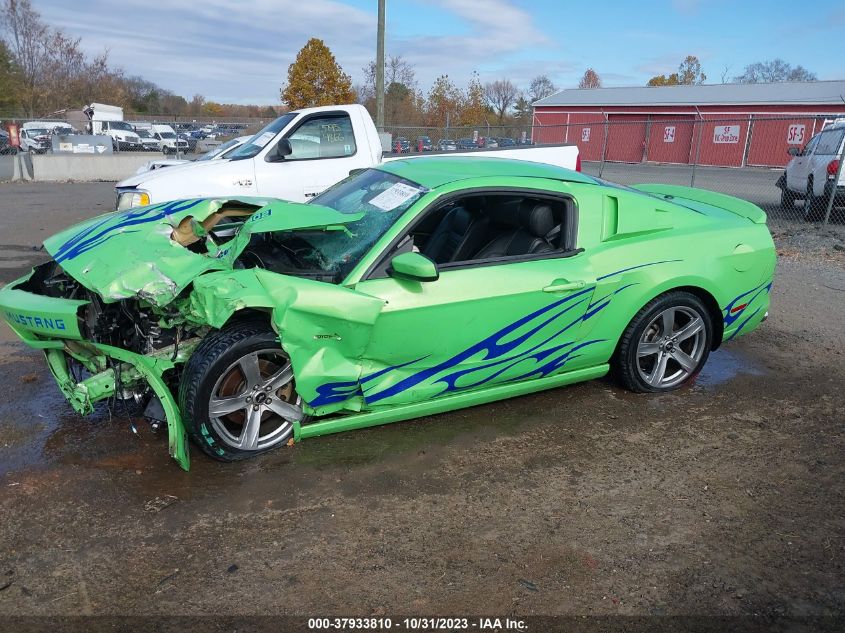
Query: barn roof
point(788, 92)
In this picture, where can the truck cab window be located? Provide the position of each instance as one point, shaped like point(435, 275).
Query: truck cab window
point(323, 137)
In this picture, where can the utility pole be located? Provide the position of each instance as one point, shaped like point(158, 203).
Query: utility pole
point(380, 68)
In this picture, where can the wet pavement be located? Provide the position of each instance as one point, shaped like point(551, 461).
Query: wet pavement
point(725, 497)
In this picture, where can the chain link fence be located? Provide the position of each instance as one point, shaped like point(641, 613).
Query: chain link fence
point(788, 165)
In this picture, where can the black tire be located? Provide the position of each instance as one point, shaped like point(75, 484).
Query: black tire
point(814, 206)
point(628, 364)
point(215, 360)
point(787, 199)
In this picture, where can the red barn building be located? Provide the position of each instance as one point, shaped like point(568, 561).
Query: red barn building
point(728, 125)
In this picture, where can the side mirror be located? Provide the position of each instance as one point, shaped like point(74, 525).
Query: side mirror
point(413, 267)
point(793, 151)
point(283, 149)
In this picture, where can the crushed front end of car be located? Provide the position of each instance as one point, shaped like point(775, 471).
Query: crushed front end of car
point(116, 312)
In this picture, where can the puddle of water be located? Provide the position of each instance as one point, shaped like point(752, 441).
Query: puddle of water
point(724, 365)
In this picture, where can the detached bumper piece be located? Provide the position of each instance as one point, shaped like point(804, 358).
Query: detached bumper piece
point(133, 369)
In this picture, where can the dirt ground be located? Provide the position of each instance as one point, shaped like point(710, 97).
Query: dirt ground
point(724, 498)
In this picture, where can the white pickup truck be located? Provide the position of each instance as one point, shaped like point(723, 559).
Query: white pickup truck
point(296, 157)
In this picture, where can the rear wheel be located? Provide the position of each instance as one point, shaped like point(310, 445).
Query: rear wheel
point(665, 344)
point(238, 393)
point(814, 206)
point(787, 199)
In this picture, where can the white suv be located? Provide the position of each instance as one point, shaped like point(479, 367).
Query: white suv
point(811, 174)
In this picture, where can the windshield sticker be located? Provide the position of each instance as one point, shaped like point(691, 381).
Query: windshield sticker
point(394, 196)
point(265, 138)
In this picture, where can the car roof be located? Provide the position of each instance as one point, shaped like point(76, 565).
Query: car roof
point(434, 171)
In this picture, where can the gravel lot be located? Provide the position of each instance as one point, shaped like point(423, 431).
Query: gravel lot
point(725, 498)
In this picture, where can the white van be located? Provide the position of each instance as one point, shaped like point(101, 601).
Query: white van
point(166, 135)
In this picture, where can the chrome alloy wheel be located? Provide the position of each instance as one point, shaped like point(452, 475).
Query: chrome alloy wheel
point(254, 402)
point(671, 347)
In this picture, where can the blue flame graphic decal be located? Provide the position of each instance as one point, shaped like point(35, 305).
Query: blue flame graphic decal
point(499, 353)
point(740, 305)
point(116, 224)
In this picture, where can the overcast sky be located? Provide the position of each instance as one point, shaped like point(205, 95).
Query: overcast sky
point(238, 51)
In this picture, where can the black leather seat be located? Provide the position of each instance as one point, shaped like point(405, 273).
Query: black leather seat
point(518, 230)
point(460, 233)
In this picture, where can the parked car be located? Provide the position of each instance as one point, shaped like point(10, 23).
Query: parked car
point(5, 146)
point(190, 140)
point(296, 157)
point(401, 145)
point(35, 139)
point(466, 143)
point(220, 152)
point(446, 145)
point(250, 322)
point(148, 142)
point(168, 138)
point(506, 142)
point(812, 173)
point(487, 142)
point(423, 144)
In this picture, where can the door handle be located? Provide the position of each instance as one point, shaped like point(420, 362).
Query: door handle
point(563, 286)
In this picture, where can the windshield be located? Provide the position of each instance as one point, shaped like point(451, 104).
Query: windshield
point(380, 196)
point(264, 136)
point(167, 135)
point(220, 149)
point(144, 134)
point(120, 125)
point(37, 131)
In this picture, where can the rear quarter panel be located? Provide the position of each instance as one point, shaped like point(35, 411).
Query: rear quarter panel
point(641, 247)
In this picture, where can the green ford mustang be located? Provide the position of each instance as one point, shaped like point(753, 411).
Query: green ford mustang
point(422, 286)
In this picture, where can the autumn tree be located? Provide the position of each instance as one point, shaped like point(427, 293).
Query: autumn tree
point(689, 74)
point(540, 88)
point(443, 105)
point(474, 109)
point(500, 95)
point(772, 71)
point(316, 79)
point(590, 79)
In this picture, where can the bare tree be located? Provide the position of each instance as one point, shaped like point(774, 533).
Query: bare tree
point(396, 70)
point(500, 96)
point(590, 79)
point(540, 87)
point(772, 71)
point(28, 39)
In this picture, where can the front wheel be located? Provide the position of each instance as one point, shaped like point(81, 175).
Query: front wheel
point(238, 394)
point(665, 344)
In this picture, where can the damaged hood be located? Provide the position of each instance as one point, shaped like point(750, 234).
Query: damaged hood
point(140, 252)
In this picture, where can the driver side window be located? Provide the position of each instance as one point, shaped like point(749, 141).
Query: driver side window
point(490, 228)
point(323, 137)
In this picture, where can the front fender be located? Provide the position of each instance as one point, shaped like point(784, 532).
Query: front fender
point(324, 328)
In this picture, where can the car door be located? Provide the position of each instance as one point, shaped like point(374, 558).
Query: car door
point(325, 150)
point(479, 324)
point(799, 168)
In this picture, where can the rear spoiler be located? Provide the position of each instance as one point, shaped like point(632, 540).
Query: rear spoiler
point(722, 201)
